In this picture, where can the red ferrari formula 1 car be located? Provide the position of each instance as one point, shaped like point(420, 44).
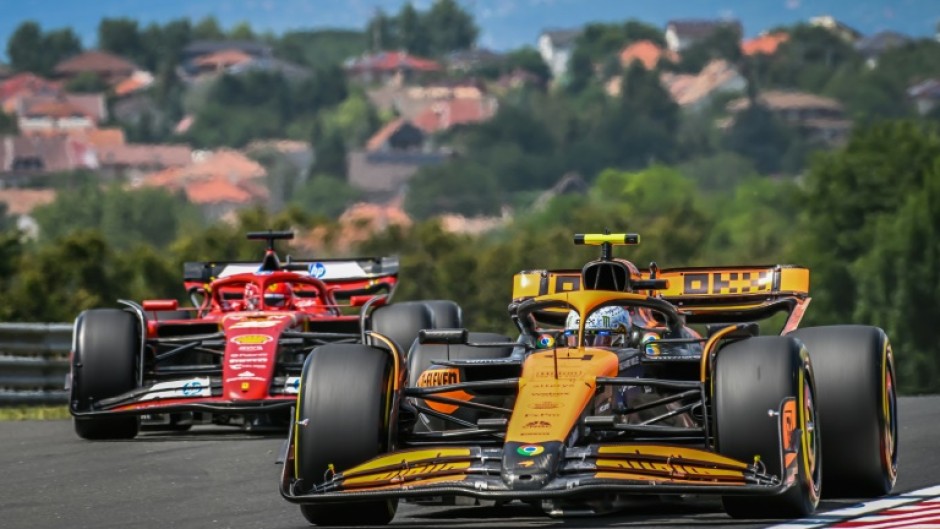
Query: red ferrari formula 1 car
point(236, 356)
point(622, 383)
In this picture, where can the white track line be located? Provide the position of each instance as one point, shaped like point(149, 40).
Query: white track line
point(825, 519)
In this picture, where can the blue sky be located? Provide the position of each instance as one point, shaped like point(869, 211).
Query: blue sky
point(504, 23)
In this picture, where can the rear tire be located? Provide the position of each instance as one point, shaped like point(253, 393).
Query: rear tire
point(445, 314)
point(107, 347)
point(401, 321)
point(854, 370)
point(345, 394)
point(752, 377)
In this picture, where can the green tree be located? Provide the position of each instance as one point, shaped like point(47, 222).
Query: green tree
point(208, 29)
point(30, 50)
point(8, 124)
point(63, 278)
point(527, 59)
point(412, 34)
point(450, 27)
point(25, 48)
point(723, 43)
point(330, 152)
point(164, 44)
point(242, 31)
point(121, 36)
point(382, 32)
point(325, 195)
point(151, 216)
point(86, 82)
point(760, 137)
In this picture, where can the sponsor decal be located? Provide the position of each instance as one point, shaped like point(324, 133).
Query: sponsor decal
point(247, 374)
point(191, 388)
point(546, 341)
point(535, 425)
point(724, 283)
point(317, 270)
point(439, 377)
point(252, 339)
point(526, 463)
point(562, 373)
point(541, 414)
point(530, 450)
point(652, 349)
point(550, 394)
point(248, 348)
point(545, 405)
point(292, 385)
point(256, 324)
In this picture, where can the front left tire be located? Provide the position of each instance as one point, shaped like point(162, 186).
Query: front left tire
point(343, 419)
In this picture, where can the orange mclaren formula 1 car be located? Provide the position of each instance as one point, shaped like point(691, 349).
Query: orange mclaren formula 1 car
point(621, 383)
point(235, 357)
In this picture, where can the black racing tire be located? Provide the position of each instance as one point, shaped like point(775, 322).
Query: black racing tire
point(857, 402)
point(401, 322)
point(345, 394)
point(107, 348)
point(445, 314)
point(752, 377)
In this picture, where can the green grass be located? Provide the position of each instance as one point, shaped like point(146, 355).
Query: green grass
point(32, 413)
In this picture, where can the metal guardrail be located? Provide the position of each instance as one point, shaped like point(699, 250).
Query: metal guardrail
point(34, 363)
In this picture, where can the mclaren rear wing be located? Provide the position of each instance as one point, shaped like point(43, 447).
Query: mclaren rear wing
point(722, 294)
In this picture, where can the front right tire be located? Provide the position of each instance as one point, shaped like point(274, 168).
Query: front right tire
point(107, 347)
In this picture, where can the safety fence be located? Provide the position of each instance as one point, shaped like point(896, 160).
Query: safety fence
point(34, 363)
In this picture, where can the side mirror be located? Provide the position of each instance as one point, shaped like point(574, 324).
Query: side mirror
point(154, 305)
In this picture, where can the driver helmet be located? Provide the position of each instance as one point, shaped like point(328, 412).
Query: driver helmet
point(278, 296)
point(605, 327)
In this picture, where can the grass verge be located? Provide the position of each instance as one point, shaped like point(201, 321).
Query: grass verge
point(32, 413)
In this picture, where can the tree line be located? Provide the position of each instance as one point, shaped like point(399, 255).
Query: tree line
point(864, 219)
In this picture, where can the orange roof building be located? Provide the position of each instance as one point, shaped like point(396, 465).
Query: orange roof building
point(647, 53)
point(220, 181)
point(442, 115)
point(764, 44)
point(108, 66)
point(220, 60)
point(24, 201)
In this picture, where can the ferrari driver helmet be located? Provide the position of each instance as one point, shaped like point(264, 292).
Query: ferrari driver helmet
point(605, 327)
point(278, 296)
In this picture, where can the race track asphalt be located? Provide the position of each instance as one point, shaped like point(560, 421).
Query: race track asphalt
point(214, 478)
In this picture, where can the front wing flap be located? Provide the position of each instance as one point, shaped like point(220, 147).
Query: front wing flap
point(476, 471)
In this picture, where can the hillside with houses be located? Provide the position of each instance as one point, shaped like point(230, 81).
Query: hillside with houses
point(809, 143)
point(233, 119)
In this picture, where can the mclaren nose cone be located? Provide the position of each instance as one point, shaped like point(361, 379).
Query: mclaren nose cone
point(530, 466)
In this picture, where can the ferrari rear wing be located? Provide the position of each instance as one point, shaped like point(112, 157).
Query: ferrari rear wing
point(718, 294)
point(327, 270)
